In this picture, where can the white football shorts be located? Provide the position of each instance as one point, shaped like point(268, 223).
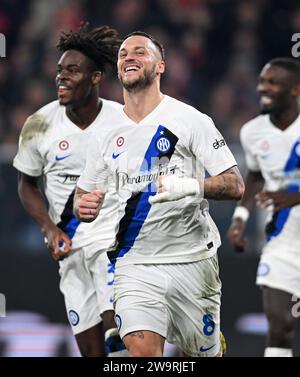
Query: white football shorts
point(279, 267)
point(181, 302)
point(87, 285)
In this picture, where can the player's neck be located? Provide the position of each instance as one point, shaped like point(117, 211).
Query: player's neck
point(85, 114)
point(140, 104)
point(284, 119)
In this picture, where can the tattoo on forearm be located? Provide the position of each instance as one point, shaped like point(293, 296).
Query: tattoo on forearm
point(139, 334)
point(227, 185)
point(221, 187)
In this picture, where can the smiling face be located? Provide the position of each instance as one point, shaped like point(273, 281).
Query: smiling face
point(139, 63)
point(75, 78)
point(276, 89)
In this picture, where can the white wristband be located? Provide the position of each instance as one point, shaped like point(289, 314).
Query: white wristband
point(242, 213)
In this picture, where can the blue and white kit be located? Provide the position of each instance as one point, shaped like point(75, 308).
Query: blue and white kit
point(276, 154)
point(53, 147)
point(153, 240)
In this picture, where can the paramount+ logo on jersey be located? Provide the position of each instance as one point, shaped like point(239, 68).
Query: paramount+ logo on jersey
point(140, 182)
point(219, 143)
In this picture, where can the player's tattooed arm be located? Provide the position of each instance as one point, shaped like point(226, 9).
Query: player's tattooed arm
point(227, 185)
point(139, 334)
point(87, 204)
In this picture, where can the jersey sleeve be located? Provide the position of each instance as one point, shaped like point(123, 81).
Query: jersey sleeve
point(95, 174)
point(28, 159)
point(251, 160)
point(210, 148)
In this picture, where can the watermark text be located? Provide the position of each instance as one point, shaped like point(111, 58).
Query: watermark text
point(2, 46)
point(296, 47)
point(296, 307)
point(2, 305)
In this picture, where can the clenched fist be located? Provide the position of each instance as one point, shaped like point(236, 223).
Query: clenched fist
point(88, 205)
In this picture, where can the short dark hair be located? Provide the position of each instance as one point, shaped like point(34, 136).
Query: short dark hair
point(289, 64)
point(101, 44)
point(159, 46)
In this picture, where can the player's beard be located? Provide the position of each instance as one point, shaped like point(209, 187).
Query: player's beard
point(277, 107)
point(280, 103)
point(264, 110)
point(140, 83)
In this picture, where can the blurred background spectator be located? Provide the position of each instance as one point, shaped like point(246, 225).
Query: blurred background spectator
point(214, 52)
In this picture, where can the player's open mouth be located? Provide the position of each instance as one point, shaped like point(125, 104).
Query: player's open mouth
point(131, 68)
point(266, 100)
point(62, 89)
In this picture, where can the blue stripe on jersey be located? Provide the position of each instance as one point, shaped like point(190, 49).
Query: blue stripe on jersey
point(133, 230)
point(111, 270)
point(138, 206)
point(69, 223)
point(71, 227)
point(275, 227)
point(294, 160)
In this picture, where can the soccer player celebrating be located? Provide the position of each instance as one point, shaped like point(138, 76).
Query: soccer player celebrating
point(166, 270)
point(53, 145)
point(271, 143)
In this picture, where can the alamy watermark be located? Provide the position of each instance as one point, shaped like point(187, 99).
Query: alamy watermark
point(2, 46)
point(2, 305)
point(296, 47)
point(296, 307)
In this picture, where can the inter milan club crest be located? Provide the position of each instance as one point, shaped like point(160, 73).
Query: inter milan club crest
point(118, 321)
point(74, 317)
point(163, 144)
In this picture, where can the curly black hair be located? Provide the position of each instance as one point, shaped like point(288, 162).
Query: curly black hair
point(101, 44)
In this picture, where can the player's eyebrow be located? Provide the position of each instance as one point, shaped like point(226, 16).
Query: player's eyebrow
point(135, 48)
point(68, 65)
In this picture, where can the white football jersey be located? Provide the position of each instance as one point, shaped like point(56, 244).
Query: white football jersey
point(173, 139)
point(276, 154)
point(52, 146)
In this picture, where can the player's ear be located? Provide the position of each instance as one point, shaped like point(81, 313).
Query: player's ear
point(296, 90)
point(96, 77)
point(161, 67)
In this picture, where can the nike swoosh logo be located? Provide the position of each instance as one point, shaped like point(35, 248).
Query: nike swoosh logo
point(57, 158)
point(264, 156)
point(203, 349)
point(114, 156)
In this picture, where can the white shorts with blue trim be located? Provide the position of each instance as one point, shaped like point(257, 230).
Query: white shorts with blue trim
point(181, 302)
point(279, 267)
point(86, 283)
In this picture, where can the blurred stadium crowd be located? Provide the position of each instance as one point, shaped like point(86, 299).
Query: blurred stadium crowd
point(215, 48)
